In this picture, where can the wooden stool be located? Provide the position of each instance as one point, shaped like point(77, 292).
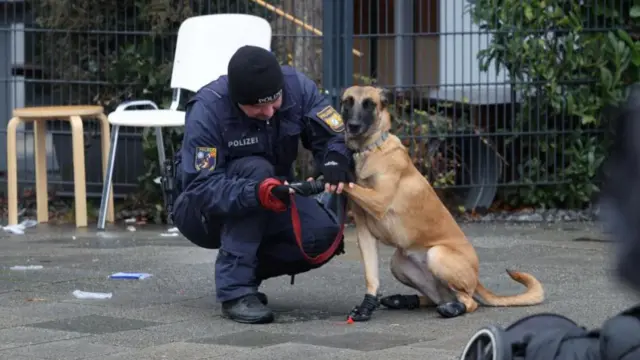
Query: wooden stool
point(39, 116)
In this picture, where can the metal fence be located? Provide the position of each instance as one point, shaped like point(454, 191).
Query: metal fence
point(56, 52)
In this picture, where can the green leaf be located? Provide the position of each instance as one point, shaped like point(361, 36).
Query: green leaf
point(528, 12)
point(588, 119)
point(606, 77)
point(635, 11)
point(624, 36)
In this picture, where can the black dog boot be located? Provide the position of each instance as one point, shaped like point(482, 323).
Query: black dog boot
point(364, 311)
point(451, 309)
point(248, 310)
point(398, 301)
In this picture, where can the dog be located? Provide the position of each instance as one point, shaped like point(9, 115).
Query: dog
point(394, 204)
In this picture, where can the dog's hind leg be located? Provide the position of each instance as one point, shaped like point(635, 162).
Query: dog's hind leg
point(409, 272)
point(454, 271)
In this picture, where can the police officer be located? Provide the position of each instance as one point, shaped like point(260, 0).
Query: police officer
point(242, 131)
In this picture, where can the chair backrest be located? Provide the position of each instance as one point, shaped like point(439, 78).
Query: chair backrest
point(206, 43)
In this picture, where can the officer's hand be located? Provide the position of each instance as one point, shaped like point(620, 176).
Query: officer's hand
point(336, 172)
point(269, 190)
point(282, 192)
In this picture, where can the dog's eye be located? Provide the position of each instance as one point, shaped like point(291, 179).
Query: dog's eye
point(348, 101)
point(368, 104)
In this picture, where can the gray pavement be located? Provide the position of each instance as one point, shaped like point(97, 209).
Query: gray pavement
point(173, 314)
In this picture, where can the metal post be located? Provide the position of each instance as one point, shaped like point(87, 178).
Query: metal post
point(346, 31)
point(337, 47)
point(108, 178)
point(329, 48)
point(404, 67)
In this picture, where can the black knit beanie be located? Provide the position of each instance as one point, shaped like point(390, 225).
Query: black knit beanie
point(255, 76)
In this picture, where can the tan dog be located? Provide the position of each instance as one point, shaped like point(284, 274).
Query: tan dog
point(393, 203)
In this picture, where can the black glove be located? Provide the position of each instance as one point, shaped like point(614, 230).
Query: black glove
point(281, 192)
point(336, 169)
point(273, 188)
point(308, 188)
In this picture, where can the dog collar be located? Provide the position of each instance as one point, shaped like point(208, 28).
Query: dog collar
point(378, 143)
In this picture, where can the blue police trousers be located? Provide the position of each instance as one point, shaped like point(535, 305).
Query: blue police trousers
point(262, 244)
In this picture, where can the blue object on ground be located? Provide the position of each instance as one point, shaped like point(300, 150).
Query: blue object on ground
point(133, 276)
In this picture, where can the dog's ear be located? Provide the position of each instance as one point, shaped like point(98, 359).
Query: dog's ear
point(346, 98)
point(386, 97)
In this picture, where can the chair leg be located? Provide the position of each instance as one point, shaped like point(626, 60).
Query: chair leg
point(161, 159)
point(106, 185)
point(105, 137)
point(12, 170)
point(42, 196)
point(79, 174)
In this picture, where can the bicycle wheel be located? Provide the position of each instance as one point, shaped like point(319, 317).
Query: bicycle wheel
point(487, 344)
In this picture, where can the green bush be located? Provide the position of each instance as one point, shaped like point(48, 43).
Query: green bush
point(571, 76)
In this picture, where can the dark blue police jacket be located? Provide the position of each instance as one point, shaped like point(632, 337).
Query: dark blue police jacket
point(217, 132)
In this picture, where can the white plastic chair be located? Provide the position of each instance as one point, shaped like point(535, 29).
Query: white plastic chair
point(205, 45)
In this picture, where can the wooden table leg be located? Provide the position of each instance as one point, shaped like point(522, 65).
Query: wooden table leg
point(79, 175)
point(12, 170)
point(42, 196)
point(105, 138)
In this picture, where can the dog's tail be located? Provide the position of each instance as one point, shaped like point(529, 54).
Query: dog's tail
point(532, 296)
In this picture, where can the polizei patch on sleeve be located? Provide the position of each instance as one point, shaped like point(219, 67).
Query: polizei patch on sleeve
point(206, 158)
point(332, 118)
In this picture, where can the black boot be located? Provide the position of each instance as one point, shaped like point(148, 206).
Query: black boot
point(248, 309)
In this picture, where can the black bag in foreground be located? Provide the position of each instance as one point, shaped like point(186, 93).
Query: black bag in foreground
point(620, 197)
point(555, 337)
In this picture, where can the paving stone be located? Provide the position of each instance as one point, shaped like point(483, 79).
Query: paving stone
point(301, 315)
point(178, 350)
point(166, 313)
point(333, 326)
point(24, 336)
point(163, 334)
point(296, 351)
point(408, 352)
point(129, 294)
point(95, 324)
point(7, 285)
point(6, 356)
point(450, 343)
point(74, 349)
point(362, 341)
point(248, 338)
point(56, 291)
point(136, 339)
point(37, 311)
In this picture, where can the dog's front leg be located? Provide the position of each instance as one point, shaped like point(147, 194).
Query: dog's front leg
point(374, 202)
point(368, 245)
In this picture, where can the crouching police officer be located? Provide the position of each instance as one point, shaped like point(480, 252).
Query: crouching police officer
point(241, 132)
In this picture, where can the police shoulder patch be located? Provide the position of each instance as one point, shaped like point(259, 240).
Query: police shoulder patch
point(205, 158)
point(332, 118)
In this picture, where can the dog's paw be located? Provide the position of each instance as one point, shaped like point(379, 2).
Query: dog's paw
point(364, 311)
point(398, 301)
point(451, 309)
